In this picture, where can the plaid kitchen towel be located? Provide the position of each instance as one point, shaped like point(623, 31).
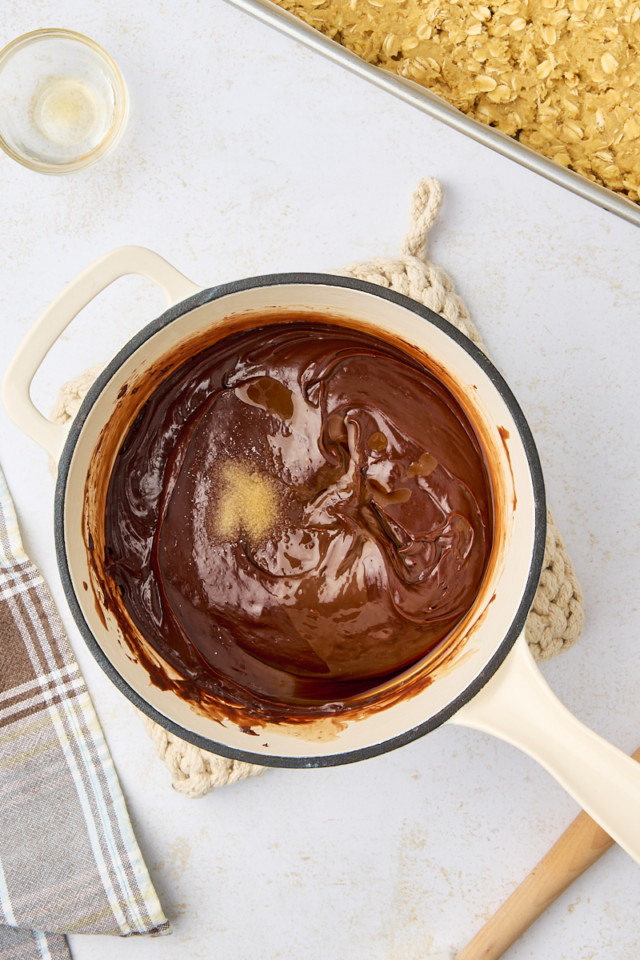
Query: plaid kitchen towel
point(69, 861)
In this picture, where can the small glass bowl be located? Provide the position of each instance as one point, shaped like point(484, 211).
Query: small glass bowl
point(63, 101)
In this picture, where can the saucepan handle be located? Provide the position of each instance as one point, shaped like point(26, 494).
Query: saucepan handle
point(16, 386)
point(518, 706)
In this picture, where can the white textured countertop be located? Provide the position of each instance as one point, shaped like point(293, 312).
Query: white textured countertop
point(246, 154)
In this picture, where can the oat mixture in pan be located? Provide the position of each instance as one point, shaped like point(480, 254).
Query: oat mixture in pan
point(561, 77)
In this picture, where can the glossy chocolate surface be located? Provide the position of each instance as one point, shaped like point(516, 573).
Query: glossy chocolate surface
point(298, 513)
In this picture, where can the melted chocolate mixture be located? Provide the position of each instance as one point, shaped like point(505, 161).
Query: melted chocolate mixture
point(297, 514)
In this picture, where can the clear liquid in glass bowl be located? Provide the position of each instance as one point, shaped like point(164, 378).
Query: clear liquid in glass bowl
point(63, 101)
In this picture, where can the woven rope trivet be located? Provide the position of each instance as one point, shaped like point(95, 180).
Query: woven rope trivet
point(555, 620)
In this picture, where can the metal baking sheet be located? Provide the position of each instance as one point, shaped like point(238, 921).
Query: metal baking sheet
point(436, 107)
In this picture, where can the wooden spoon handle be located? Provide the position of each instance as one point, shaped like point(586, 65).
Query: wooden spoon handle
point(582, 843)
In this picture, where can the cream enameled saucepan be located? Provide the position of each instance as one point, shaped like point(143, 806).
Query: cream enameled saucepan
point(487, 681)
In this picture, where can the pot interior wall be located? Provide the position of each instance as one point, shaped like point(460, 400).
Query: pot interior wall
point(485, 635)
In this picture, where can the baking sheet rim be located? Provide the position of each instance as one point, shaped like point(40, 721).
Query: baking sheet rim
point(438, 108)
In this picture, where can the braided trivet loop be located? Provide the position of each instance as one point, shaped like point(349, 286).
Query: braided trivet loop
point(556, 617)
point(194, 772)
point(425, 208)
